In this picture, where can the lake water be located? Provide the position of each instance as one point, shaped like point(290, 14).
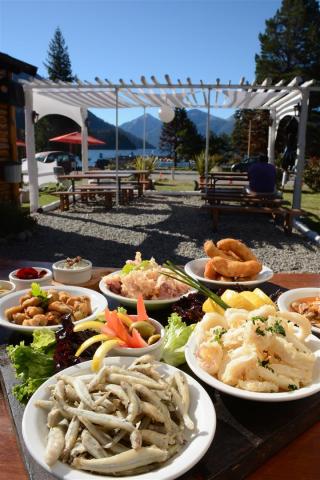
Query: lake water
point(94, 155)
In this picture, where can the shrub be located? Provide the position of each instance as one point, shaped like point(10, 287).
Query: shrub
point(312, 174)
point(200, 160)
point(145, 163)
point(14, 219)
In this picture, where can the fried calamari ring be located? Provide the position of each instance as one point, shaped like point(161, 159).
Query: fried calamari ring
point(233, 268)
point(212, 251)
point(239, 248)
point(209, 271)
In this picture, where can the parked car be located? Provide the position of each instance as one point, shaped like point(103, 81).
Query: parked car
point(244, 164)
point(47, 165)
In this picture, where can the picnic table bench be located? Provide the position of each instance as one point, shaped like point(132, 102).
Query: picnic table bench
point(224, 201)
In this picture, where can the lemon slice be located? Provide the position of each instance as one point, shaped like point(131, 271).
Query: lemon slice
point(266, 300)
point(253, 298)
point(210, 306)
point(101, 352)
point(235, 300)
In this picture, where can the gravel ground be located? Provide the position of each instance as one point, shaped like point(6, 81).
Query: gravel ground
point(164, 227)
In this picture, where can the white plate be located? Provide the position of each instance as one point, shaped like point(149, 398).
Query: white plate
point(285, 300)
point(132, 302)
point(98, 304)
point(312, 342)
point(195, 269)
point(202, 412)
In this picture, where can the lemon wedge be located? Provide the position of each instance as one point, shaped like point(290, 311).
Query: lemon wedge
point(101, 352)
point(210, 306)
point(235, 300)
point(253, 298)
point(266, 300)
point(90, 341)
point(90, 325)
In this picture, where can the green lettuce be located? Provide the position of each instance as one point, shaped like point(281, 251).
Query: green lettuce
point(33, 363)
point(177, 334)
point(129, 267)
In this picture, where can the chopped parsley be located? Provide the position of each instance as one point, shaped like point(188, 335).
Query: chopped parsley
point(260, 332)
point(292, 387)
point(258, 318)
point(265, 364)
point(277, 328)
point(218, 334)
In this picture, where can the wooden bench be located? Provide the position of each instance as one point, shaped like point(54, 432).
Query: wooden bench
point(65, 197)
point(126, 192)
point(288, 214)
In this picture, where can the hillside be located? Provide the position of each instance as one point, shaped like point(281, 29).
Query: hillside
point(153, 125)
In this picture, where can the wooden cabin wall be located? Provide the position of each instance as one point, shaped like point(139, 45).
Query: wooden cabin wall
point(9, 192)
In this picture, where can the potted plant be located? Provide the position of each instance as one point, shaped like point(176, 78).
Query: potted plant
point(200, 160)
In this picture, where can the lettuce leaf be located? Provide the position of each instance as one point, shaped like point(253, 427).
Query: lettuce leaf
point(33, 363)
point(129, 267)
point(177, 334)
point(37, 291)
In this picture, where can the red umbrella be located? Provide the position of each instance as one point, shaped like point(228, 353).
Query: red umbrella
point(20, 143)
point(75, 138)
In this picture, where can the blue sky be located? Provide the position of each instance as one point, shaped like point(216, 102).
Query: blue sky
point(203, 39)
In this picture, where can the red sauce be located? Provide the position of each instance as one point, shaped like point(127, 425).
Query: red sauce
point(29, 273)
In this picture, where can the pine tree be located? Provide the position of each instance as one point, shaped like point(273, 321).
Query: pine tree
point(259, 132)
point(290, 44)
point(58, 61)
point(180, 137)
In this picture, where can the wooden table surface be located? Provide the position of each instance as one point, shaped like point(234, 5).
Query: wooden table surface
point(298, 461)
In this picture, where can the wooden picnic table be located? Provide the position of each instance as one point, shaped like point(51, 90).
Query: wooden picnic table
point(232, 179)
point(299, 460)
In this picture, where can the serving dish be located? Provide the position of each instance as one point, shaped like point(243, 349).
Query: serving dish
point(151, 305)
point(195, 268)
point(21, 284)
point(155, 349)
point(202, 412)
point(71, 276)
point(311, 342)
point(98, 304)
point(8, 286)
point(285, 299)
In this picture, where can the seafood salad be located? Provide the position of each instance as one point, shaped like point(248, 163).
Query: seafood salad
point(119, 421)
point(146, 278)
point(262, 351)
point(40, 307)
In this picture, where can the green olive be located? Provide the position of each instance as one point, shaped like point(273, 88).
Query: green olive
point(153, 339)
point(146, 329)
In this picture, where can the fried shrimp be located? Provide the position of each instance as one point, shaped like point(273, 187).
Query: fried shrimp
point(233, 268)
point(237, 247)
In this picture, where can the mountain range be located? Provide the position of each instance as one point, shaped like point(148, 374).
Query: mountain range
point(153, 125)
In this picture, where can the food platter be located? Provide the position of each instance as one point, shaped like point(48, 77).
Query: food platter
point(151, 305)
point(286, 298)
point(312, 342)
point(195, 268)
point(202, 412)
point(98, 303)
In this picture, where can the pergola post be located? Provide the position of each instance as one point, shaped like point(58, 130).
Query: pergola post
point(30, 151)
point(300, 162)
point(117, 147)
point(84, 139)
point(207, 139)
point(144, 131)
point(271, 136)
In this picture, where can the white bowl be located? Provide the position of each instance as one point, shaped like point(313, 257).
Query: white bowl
point(22, 284)
point(10, 286)
point(311, 342)
point(155, 349)
point(202, 412)
point(98, 304)
point(70, 276)
point(285, 300)
point(132, 302)
point(195, 269)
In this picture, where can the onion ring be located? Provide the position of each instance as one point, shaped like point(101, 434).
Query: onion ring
point(233, 268)
point(212, 251)
point(239, 248)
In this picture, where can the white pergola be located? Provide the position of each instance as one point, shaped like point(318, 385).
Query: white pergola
point(73, 100)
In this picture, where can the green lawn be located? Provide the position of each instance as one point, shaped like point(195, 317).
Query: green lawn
point(311, 203)
point(174, 186)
